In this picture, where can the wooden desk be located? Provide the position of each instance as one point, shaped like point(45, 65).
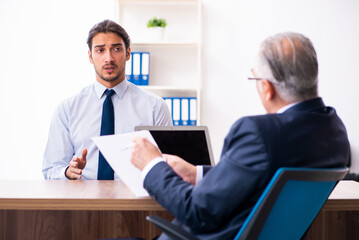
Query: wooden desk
point(107, 209)
point(74, 210)
point(339, 218)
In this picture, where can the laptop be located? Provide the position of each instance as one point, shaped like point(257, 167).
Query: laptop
point(188, 142)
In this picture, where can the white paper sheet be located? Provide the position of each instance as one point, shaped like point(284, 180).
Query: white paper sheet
point(117, 151)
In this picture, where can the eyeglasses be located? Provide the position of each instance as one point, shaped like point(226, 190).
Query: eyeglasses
point(254, 78)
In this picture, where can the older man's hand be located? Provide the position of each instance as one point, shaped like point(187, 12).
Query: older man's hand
point(143, 151)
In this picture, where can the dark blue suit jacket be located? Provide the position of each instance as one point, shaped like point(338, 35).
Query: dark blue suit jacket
point(307, 135)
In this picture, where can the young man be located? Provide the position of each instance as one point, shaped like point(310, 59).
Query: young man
point(298, 131)
point(109, 106)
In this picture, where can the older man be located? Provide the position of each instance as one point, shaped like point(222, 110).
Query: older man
point(298, 131)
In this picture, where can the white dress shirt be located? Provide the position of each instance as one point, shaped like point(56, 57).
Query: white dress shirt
point(78, 119)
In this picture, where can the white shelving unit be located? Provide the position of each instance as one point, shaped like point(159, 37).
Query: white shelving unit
point(175, 61)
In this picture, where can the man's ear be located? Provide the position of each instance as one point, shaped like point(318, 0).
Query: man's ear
point(128, 53)
point(268, 90)
point(90, 56)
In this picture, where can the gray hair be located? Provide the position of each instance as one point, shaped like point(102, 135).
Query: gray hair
point(289, 61)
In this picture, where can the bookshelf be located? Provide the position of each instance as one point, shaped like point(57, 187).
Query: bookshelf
point(175, 61)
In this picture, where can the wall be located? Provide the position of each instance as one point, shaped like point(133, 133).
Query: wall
point(231, 37)
point(44, 60)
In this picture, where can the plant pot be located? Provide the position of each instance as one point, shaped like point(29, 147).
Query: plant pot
point(156, 34)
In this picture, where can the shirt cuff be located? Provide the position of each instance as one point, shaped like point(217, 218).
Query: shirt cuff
point(199, 174)
point(150, 165)
point(62, 174)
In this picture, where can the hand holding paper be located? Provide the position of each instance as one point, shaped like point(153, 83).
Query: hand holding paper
point(143, 152)
point(117, 151)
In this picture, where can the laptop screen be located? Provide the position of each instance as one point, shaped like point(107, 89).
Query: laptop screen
point(188, 142)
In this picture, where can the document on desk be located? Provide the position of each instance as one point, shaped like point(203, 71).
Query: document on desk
point(117, 151)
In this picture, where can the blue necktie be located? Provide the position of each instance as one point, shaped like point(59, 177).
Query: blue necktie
point(105, 172)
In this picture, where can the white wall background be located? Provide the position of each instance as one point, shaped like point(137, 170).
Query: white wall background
point(234, 29)
point(43, 60)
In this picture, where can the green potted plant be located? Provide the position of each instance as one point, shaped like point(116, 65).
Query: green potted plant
point(156, 27)
point(157, 22)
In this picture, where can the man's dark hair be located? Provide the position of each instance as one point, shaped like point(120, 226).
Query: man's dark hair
point(107, 26)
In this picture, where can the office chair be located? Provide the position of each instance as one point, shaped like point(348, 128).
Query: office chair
point(286, 208)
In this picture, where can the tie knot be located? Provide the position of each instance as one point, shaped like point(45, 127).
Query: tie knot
point(109, 92)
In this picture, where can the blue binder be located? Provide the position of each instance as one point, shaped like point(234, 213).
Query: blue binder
point(168, 101)
point(193, 111)
point(176, 111)
point(136, 68)
point(185, 111)
point(128, 70)
point(145, 68)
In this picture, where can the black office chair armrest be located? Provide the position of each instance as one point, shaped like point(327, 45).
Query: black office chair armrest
point(172, 231)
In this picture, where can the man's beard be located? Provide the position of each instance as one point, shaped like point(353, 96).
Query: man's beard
point(109, 78)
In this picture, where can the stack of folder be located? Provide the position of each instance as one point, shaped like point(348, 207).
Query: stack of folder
point(183, 110)
point(138, 68)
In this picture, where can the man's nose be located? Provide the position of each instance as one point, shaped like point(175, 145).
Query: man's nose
point(108, 57)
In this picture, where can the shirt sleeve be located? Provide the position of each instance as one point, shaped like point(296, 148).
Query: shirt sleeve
point(150, 165)
point(199, 174)
point(59, 149)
